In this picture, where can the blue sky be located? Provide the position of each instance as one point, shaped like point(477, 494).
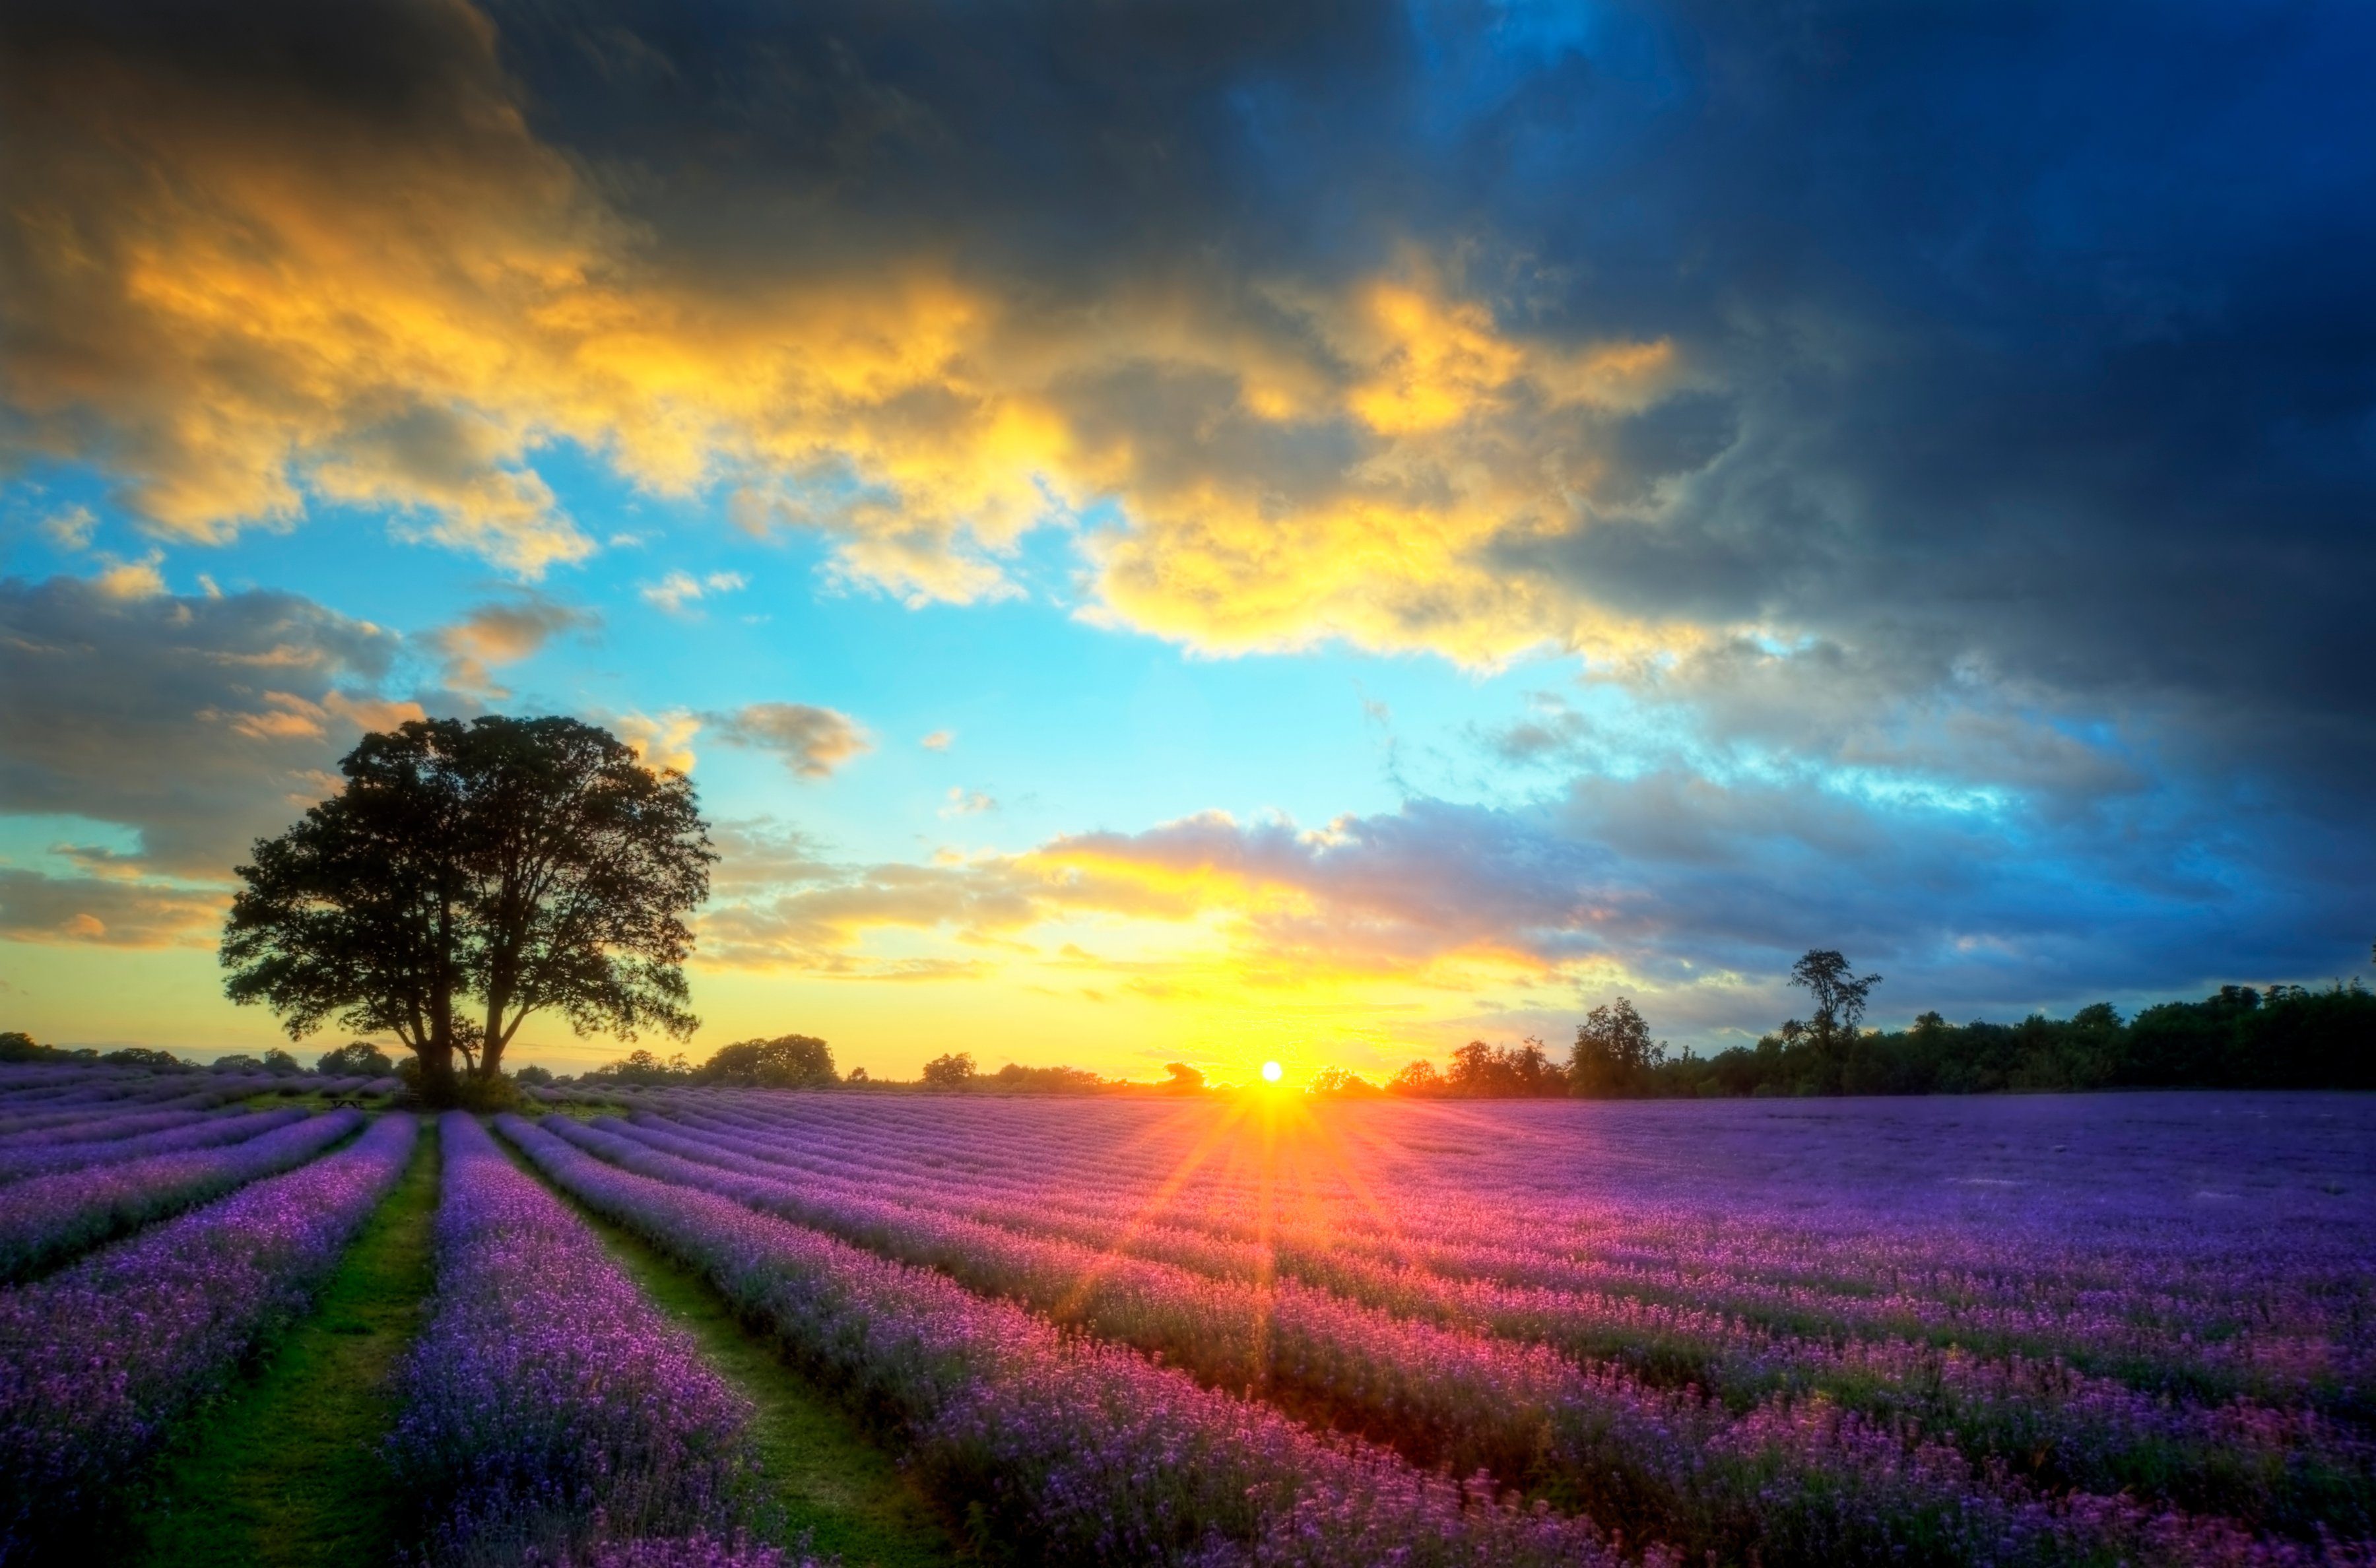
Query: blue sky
point(1194, 533)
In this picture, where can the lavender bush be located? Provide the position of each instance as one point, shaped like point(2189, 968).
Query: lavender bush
point(548, 1407)
point(50, 1217)
point(97, 1361)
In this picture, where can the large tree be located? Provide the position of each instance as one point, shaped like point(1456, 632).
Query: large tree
point(1840, 995)
point(788, 1061)
point(470, 875)
point(1614, 1053)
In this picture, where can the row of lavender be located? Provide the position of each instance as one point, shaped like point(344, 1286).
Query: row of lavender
point(33, 1098)
point(99, 1359)
point(1873, 1447)
point(551, 1414)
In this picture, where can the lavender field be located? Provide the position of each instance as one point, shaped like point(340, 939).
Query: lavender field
point(1248, 1329)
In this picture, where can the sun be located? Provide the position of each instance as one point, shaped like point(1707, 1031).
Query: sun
point(1271, 1072)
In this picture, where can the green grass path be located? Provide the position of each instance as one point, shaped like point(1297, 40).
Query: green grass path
point(831, 1480)
point(287, 1471)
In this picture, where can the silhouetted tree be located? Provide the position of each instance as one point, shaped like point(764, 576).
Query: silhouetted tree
point(643, 1069)
point(1419, 1079)
point(1481, 1071)
point(358, 1059)
point(788, 1061)
point(143, 1056)
point(1839, 992)
point(520, 864)
point(1614, 1053)
point(1341, 1081)
point(953, 1071)
point(1182, 1078)
point(1016, 1079)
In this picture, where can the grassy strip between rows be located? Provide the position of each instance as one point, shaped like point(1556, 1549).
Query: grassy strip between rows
point(833, 1483)
point(288, 1471)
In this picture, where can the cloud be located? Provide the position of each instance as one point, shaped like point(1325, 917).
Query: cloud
point(678, 590)
point(811, 741)
point(39, 908)
point(967, 802)
point(938, 740)
point(197, 722)
point(1402, 330)
point(69, 529)
point(1870, 399)
point(131, 579)
point(664, 741)
point(384, 290)
point(1690, 894)
point(502, 631)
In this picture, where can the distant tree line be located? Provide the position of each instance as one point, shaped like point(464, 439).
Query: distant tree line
point(803, 1062)
point(787, 1062)
point(2283, 1037)
point(358, 1059)
point(2280, 1037)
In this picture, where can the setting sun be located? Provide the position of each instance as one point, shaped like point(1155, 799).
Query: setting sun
point(1271, 1072)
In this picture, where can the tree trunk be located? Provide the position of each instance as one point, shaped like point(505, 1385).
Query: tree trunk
point(438, 1085)
point(490, 1050)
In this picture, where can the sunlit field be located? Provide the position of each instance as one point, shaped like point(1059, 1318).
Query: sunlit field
point(1243, 1328)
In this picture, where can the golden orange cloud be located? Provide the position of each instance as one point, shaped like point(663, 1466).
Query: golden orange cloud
point(1223, 919)
point(241, 305)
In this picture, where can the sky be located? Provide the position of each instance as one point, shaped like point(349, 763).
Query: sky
point(1214, 531)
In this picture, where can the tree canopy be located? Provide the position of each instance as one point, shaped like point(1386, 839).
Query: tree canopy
point(788, 1061)
point(952, 1071)
point(357, 1058)
point(1614, 1053)
point(470, 875)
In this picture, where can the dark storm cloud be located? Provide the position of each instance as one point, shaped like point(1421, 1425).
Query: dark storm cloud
point(2035, 334)
point(197, 723)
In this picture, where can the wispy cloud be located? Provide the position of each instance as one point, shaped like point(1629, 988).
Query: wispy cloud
point(502, 631)
point(811, 741)
point(677, 591)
